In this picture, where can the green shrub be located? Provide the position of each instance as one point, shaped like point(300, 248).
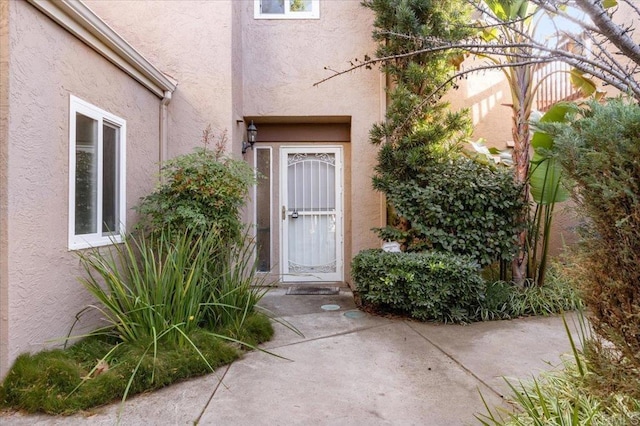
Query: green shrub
point(201, 191)
point(444, 287)
point(459, 206)
point(427, 286)
point(600, 150)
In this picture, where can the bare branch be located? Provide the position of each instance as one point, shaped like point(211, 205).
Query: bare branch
point(615, 33)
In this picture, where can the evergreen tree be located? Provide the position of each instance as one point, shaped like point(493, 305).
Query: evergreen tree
point(419, 128)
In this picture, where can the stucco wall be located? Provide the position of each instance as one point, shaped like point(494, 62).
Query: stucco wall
point(46, 66)
point(192, 42)
point(282, 59)
point(4, 161)
point(487, 96)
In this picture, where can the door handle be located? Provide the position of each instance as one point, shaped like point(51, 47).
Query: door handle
point(284, 213)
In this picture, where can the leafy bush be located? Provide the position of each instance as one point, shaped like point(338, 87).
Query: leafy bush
point(427, 286)
point(600, 150)
point(199, 191)
point(459, 206)
point(445, 287)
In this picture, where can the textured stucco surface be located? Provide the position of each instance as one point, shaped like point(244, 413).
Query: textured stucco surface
point(192, 42)
point(4, 161)
point(229, 66)
point(46, 66)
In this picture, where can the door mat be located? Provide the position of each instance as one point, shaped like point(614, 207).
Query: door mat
point(304, 290)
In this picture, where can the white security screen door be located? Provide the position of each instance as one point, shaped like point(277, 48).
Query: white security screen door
point(311, 195)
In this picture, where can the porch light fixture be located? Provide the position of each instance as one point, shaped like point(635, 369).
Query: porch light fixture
point(252, 133)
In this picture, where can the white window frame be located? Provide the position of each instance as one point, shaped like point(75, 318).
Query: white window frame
point(99, 238)
point(288, 14)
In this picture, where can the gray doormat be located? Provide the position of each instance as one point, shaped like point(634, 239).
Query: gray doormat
point(305, 290)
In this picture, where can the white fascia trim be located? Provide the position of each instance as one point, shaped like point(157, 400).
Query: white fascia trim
point(79, 20)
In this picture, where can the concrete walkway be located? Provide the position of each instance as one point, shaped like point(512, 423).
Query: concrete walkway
point(350, 368)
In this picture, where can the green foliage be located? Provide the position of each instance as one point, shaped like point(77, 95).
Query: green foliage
point(169, 284)
point(168, 318)
point(547, 189)
point(151, 285)
point(566, 397)
point(233, 288)
point(600, 151)
point(199, 191)
point(419, 129)
point(504, 300)
point(427, 286)
point(64, 382)
point(461, 207)
point(446, 287)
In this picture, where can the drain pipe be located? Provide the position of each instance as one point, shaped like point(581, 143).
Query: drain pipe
point(164, 127)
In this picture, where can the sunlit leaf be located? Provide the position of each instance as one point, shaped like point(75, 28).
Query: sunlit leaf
point(489, 34)
point(544, 181)
point(556, 114)
point(583, 82)
point(609, 3)
point(599, 94)
point(499, 8)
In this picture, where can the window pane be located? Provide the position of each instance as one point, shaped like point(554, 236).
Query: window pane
point(110, 184)
point(86, 196)
point(272, 6)
point(300, 5)
point(263, 210)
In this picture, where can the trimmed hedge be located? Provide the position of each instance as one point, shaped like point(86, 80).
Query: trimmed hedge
point(426, 285)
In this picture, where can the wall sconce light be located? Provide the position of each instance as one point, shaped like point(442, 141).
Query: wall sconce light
point(252, 133)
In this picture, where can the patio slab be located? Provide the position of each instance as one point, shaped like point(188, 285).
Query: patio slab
point(349, 368)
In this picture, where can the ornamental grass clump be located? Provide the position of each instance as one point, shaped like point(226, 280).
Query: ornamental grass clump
point(177, 298)
point(153, 286)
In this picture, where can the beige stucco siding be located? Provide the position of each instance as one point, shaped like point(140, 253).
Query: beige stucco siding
point(192, 42)
point(4, 151)
point(46, 66)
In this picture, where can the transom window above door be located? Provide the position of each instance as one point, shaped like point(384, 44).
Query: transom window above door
point(286, 9)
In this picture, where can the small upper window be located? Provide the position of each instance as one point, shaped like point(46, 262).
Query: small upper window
point(287, 9)
point(96, 176)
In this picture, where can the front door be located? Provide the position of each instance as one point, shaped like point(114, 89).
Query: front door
point(311, 197)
